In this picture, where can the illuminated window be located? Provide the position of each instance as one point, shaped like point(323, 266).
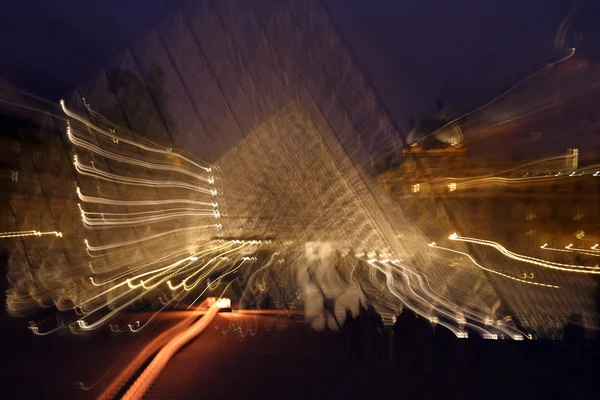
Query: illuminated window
point(530, 215)
point(573, 158)
point(416, 188)
point(452, 187)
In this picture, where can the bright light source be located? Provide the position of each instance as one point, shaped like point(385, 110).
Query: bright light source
point(224, 303)
point(572, 158)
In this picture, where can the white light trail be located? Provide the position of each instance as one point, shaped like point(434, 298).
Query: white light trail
point(435, 246)
point(154, 149)
point(585, 269)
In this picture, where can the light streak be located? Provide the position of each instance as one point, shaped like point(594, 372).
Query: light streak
point(184, 284)
point(163, 275)
point(151, 234)
point(149, 238)
point(393, 290)
point(130, 160)
point(442, 306)
point(28, 233)
point(132, 265)
point(585, 269)
point(142, 356)
point(572, 53)
point(125, 219)
point(569, 249)
point(121, 179)
point(473, 181)
point(528, 177)
point(154, 149)
point(158, 363)
point(435, 246)
point(133, 203)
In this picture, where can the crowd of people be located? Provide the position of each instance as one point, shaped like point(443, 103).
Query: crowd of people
point(415, 344)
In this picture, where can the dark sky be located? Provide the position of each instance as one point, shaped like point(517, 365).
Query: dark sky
point(461, 50)
point(49, 47)
point(413, 51)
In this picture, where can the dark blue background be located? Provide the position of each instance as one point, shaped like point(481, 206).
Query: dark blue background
point(413, 51)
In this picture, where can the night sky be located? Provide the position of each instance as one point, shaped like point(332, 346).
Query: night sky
point(412, 51)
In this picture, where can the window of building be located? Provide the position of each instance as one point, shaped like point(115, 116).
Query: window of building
point(554, 211)
point(577, 213)
point(573, 158)
point(416, 188)
point(530, 214)
point(440, 212)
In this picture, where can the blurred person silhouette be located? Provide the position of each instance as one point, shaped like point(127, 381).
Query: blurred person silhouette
point(405, 332)
point(575, 341)
point(266, 302)
point(476, 346)
point(375, 330)
point(424, 339)
point(405, 323)
point(4, 256)
point(375, 319)
point(350, 329)
point(597, 298)
point(446, 346)
point(364, 342)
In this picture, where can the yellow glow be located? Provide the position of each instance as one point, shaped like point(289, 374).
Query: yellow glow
point(28, 233)
point(570, 249)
